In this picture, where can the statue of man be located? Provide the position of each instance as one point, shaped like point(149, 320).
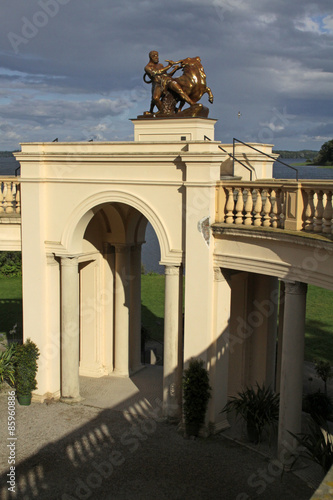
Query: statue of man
point(162, 81)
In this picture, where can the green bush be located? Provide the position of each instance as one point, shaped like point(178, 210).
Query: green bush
point(324, 371)
point(26, 367)
point(7, 364)
point(10, 264)
point(318, 444)
point(319, 405)
point(196, 395)
point(259, 407)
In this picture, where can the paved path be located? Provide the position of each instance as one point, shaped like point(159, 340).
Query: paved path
point(114, 445)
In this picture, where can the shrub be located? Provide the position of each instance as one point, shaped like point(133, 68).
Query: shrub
point(259, 407)
point(318, 444)
point(319, 405)
point(196, 395)
point(324, 371)
point(26, 367)
point(10, 264)
point(7, 365)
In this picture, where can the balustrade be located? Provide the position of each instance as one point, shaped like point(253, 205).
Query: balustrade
point(10, 200)
point(301, 206)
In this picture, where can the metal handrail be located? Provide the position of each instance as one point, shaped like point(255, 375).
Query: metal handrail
point(234, 158)
point(266, 154)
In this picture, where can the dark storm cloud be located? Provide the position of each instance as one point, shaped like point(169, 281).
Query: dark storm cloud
point(84, 61)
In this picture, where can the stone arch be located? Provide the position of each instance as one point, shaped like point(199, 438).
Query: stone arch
point(78, 220)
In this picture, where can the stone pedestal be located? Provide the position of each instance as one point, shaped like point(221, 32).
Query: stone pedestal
point(173, 129)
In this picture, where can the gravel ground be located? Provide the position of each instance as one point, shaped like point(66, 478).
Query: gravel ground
point(80, 452)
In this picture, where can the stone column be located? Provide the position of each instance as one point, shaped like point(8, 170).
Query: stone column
point(121, 310)
point(135, 313)
point(70, 329)
point(280, 338)
point(172, 369)
point(291, 382)
point(108, 303)
point(219, 356)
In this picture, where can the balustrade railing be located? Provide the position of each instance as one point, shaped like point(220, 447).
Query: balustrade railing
point(277, 204)
point(10, 200)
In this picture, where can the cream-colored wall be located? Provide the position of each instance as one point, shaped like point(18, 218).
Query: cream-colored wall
point(10, 231)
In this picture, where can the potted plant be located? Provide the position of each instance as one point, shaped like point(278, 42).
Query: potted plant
point(258, 406)
point(196, 390)
point(26, 368)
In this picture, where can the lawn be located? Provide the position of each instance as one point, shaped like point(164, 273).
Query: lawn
point(319, 324)
point(152, 304)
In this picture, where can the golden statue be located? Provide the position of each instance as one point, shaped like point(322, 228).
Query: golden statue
point(167, 91)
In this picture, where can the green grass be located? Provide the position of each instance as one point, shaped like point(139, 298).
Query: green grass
point(319, 324)
point(11, 306)
point(152, 304)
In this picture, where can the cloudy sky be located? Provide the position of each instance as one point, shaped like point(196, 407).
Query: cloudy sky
point(73, 69)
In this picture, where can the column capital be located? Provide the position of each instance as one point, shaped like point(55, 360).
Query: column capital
point(122, 248)
point(295, 287)
point(218, 275)
point(172, 270)
point(51, 260)
point(69, 261)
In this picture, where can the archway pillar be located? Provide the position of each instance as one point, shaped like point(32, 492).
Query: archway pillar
point(291, 382)
point(70, 329)
point(122, 296)
point(173, 343)
point(219, 351)
point(135, 315)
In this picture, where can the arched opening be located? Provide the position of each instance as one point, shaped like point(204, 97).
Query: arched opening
point(109, 302)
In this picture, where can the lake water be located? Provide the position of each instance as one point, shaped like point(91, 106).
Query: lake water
point(151, 249)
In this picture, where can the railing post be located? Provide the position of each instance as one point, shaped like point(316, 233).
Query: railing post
point(294, 207)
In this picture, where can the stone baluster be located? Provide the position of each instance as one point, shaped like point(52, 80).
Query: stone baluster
point(239, 206)
point(319, 211)
point(229, 219)
point(257, 208)
point(9, 198)
point(18, 199)
point(274, 212)
point(266, 219)
point(309, 211)
point(328, 213)
point(248, 208)
point(4, 197)
point(283, 208)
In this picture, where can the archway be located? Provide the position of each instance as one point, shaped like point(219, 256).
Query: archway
point(109, 302)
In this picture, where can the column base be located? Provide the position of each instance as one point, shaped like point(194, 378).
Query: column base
point(171, 412)
point(137, 369)
point(119, 373)
point(216, 427)
point(71, 401)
